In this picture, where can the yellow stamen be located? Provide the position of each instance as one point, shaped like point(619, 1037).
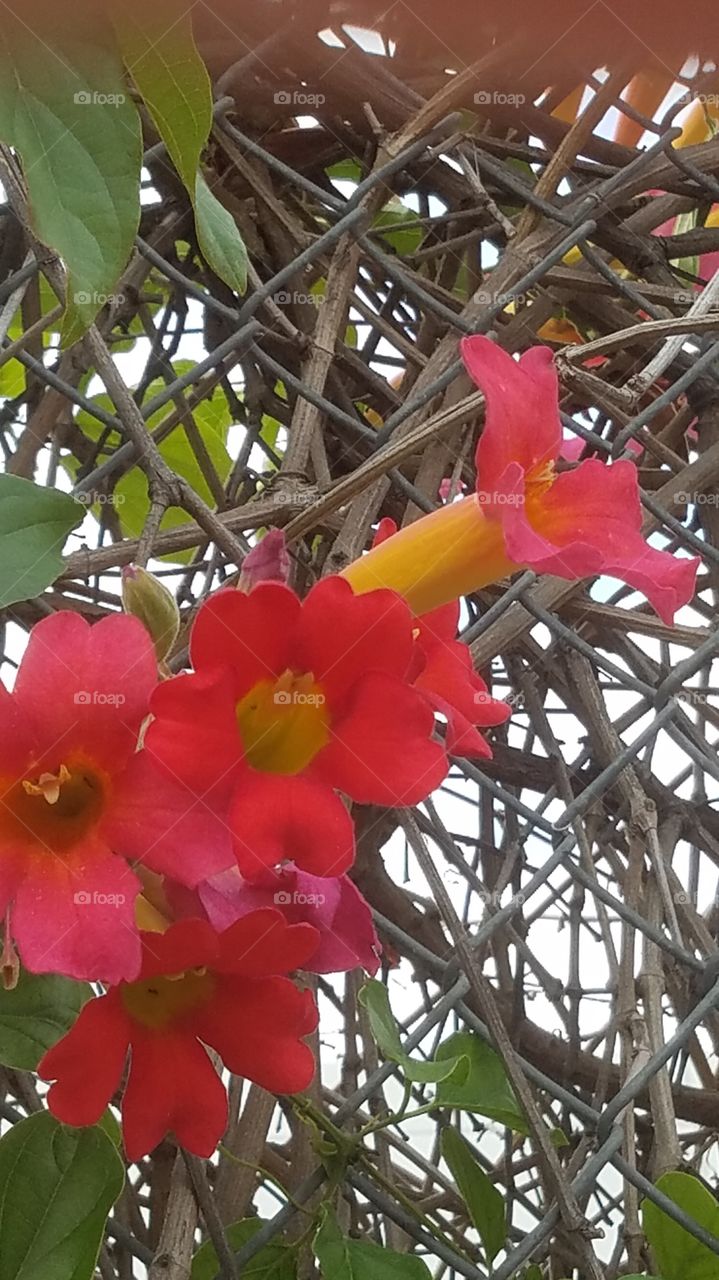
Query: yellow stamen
point(283, 723)
point(48, 785)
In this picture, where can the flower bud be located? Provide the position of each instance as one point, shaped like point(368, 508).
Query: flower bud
point(268, 561)
point(146, 598)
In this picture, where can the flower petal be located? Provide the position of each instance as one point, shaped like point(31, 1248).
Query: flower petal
point(78, 920)
point(521, 421)
point(348, 939)
point(590, 523)
point(194, 734)
point(257, 1025)
point(88, 687)
point(342, 635)
point(382, 752)
point(279, 819)
point(251, 634)
point(172, 1088)
point(100, 1036)
point(161, 823)
point(263, 943)
point(186, 944)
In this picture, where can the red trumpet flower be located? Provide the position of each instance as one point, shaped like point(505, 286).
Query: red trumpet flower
point(576, 524)
point(196, 987)
point(290, 703)
point(78, 802)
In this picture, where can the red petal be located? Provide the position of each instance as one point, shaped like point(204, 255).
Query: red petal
point(256, 1026)
point(341, 636)
point(172, 1088)
point(87, 687)
point(194, 734)
point(381, 751)
point(263, 943)
point(590, 523)
point(187, 944)
point(252, 634)
point(521, 422)
point(17, 743)
point(160, 822)
point(280, 819)
point(88, 1062)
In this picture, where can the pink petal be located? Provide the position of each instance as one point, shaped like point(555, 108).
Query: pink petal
point(87, 687)
point(521, 413)
point(79, 920)
point(268, 561)
point(590, 523)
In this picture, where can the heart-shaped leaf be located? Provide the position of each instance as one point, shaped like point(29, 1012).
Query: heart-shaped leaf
point(34, 524)
point(57, 1186)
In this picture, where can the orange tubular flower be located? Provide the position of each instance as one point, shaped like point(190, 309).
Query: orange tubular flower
point(576, 524)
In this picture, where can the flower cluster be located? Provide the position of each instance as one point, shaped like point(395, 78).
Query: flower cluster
point(186, 840)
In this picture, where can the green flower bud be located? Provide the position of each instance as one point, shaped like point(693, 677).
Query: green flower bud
point(146, 598)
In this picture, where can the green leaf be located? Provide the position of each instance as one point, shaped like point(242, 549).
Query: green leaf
point(679, 1255)
point(64, 105)
point(57, 1186)
point(160, 54)
point(486, 1089)
point(217, 235)
point(12, 379)
point(35, 1014)
point(130, 499)
point(404, 240)
point(34, 524)
point(347, 170)
point(273, 1262)
point(375, 1000)
point(344, 1259)
point(485, 1204)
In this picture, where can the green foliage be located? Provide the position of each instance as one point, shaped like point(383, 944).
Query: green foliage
point(375, 999)
point(57, 1186)
point(344, 1259)
point(274, 1262)
point(35, 1014)
point(160, 54)
point(34, 524)
point(131, 502)
point(678, 1255)
point(485, 1089)
point(485, 1204)
point(405, 240)
point(64, 105)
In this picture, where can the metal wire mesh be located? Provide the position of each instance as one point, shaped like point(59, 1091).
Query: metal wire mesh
point(559, 900)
